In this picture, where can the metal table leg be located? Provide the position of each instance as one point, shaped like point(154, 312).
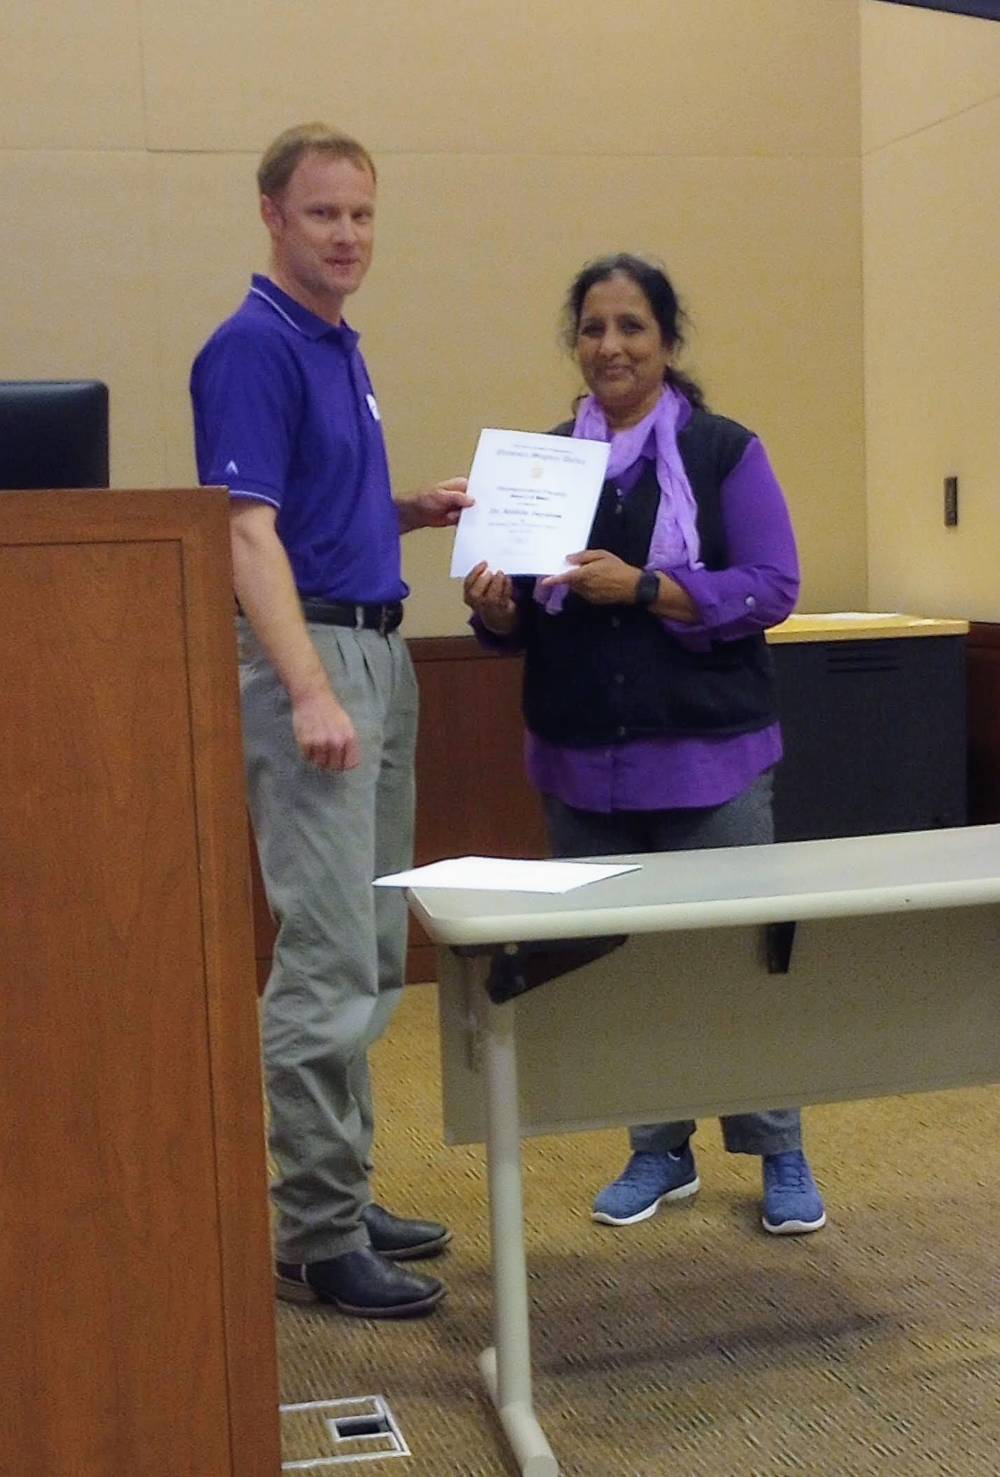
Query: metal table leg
point(506, 1368)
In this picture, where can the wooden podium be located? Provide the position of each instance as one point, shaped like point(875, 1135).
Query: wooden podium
point(135, 1287)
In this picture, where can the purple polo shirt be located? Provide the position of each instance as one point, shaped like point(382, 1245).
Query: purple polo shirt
point(756, 590)
point(285, 414)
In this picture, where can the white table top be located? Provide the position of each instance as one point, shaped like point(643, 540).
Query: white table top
point(845, 877)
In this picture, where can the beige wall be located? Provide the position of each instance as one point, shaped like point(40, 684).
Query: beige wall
point(931, 142)
point(514, 141)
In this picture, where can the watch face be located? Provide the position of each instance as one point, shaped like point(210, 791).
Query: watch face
point(648, 588)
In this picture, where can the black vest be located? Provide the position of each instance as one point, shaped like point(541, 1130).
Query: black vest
point(600, 674)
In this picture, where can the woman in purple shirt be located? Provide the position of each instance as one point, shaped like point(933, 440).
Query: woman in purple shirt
point(648, 693)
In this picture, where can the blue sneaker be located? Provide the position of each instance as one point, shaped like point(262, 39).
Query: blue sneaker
point(792, 1203)
point(644, 1184)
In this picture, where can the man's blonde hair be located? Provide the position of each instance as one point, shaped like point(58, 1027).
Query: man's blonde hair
point(280, 158)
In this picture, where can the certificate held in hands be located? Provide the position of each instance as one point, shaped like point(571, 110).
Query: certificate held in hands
point(535, 498)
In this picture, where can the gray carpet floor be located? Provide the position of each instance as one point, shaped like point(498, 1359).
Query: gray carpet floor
point(693, 1345)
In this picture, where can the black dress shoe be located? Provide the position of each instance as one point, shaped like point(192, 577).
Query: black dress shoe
point(361, 1283)
point(404, 1241)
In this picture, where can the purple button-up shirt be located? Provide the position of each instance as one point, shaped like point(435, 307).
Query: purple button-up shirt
point(756, 590)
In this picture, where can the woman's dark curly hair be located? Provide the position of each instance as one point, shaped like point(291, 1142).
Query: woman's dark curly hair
point(658, 291)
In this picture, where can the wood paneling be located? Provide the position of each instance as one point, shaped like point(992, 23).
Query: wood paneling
point(472, 796)
point(983, 669)
point(135, 1289)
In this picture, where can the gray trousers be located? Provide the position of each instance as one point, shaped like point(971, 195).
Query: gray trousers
point(745, 821)
point(339, 956)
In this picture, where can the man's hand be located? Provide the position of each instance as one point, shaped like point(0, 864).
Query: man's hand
point(491, 596)
point(324, 732)
point(437, 507)
point(599, 577)
point(266, 591)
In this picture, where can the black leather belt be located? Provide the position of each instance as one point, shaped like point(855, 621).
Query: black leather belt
point(381, 618)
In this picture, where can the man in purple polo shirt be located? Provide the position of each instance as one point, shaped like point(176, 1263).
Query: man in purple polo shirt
point(286, 417)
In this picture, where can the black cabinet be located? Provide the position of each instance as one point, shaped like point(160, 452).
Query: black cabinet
point(874, 736)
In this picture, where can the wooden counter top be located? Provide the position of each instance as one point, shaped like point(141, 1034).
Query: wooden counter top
point(856, 625)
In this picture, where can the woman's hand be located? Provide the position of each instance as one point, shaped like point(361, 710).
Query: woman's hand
point(599, 577)
point(604, 579)
point(491, 596)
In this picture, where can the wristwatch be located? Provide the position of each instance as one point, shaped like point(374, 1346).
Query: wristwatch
point(647, 588)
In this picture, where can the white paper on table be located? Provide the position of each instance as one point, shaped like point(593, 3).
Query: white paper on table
point(536, 496)
point(496, 874)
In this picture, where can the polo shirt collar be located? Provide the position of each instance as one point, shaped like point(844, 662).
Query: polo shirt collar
point(300, 318)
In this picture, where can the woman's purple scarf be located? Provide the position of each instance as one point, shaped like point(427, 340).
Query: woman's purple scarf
point(674, 541)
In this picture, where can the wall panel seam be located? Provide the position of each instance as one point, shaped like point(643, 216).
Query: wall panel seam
point(945, 119)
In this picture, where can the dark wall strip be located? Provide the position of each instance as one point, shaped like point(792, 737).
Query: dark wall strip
point(987, 10)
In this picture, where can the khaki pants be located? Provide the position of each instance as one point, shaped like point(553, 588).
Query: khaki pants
point(340, 952)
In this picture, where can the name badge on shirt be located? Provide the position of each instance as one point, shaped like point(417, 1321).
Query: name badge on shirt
point(373, 407)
